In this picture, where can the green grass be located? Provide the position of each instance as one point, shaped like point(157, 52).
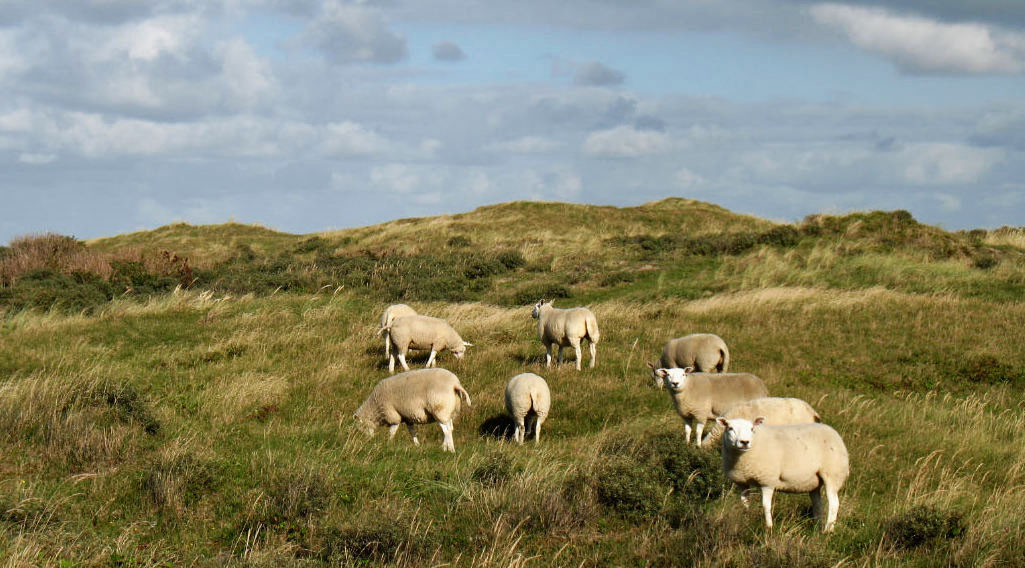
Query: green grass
point(213, 427)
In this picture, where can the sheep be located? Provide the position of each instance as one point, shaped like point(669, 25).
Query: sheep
point(422, 332)
point(797, 458)
point(776, 411)
point(565, 328)
point(390, 313)
point(706, 352)
point(527, 399)
point(699, 397)
point(414, 397)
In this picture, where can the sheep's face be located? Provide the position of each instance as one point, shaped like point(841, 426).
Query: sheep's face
point(675, 379)
point(738, 432)
point(537, 308)
point(364, 425)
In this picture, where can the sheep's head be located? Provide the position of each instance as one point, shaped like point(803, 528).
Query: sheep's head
point(738, 432)
point(537, 307)
point(657, 375)
point(460, 349)
point(366, 426)
point(675, 379)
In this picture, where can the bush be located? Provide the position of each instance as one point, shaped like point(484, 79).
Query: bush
point(923, 525)
point(51, 290)
point(511, 259)
point(628, 487)
point(459, 241)
point(496, 470)
point(987, 369)
point(176, 482)
point(531, 294)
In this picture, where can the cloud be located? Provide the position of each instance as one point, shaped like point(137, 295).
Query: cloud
point(525, 145)
point(921, 45)
point(946, 163)
point(626, 142)
point(447, 51)
point(596, 74)
point(347, 33)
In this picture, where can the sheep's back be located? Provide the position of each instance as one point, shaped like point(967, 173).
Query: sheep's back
point(793, 458)
point(415, 393)
point(700, 350)
point(526, 392)
point(725, 390)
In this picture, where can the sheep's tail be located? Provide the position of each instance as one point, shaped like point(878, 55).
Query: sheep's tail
point(385, 329)
point(724, 359)
point(463, 394)
point(591, 324)
point(816, 417)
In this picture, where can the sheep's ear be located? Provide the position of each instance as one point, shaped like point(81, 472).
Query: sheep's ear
point(651, 365)
point(759, 421)
point(722, 420)
point(661, 373)
point(688, 370)
point(467, 344)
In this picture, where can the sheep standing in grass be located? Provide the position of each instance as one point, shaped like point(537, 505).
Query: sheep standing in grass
point(422, 332)
point(566, 328)
point(700, 397)
point(528, 400)
point(414, 397)
point(776, 411)
point(799, 458)
point(390, 313)
point(706, 352)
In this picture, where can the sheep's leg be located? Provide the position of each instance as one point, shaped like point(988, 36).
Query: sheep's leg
point(745, 497)
point(594, 353)
point(560, 355)
point(767, 505)
point(537, 430)
point(391, 363)
point(576, 349)
point(686, 430)
point(430, 360)
point(447, 444)
point(392, 429)
point(816, 503)
point(387, 344)
point(520, 429)
point(699, 430)
point(834, 508)
point(402, 359)
point(412, 432)
point(548, 355)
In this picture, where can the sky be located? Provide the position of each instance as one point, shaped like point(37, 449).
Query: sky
point(313, 115)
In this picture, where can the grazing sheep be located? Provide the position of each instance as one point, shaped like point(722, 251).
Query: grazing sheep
point(527, 399)
point(700, 397)
point(798, 458)
point(565, 328)
point(775, 410)
point(414, 397)
point(390, 313)
point(422, 332)
point(706, 352)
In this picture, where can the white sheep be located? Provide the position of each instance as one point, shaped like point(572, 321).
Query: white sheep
point(566, 328)
point(422, 332)
point(414, 397)
point(798, 458)
point(706, 352)
point(390, 313)
point(528, 400)
point(776, 411)
point(700, 397)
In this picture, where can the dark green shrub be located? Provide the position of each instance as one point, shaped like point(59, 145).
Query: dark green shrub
point(511, 259)
point(51, 290)
point(312, 244)
point(987, 369)
point(177, 482)
point(366, 545)
point(459, 241)
point(694, 473)
point(126, 402)
point(628, 487)
point(985, 260)
point(495, 470)
point(531, 294)
point(924, 525)
point(615, 278)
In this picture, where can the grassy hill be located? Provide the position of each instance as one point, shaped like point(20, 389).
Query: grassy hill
point(211, 425)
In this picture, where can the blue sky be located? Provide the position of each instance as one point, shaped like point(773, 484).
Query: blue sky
point(309, 115)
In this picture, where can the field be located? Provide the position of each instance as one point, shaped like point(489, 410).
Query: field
point(195, 408)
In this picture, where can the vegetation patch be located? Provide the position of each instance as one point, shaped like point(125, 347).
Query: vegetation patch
point(923, 525)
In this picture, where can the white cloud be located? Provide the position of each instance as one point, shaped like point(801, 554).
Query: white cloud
point(626, 142)
point(687, 179)
point(947, 164)
point(924, 45)
point(247, 77)
point(348, 33)
point(525, 145)
point(351, 139)
point(36, 159)
point(396, 177)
